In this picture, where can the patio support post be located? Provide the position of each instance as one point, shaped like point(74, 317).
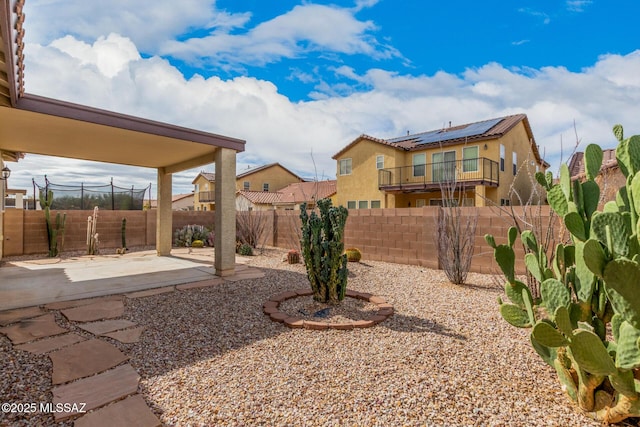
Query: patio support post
point(225, 212)
point(480, 195)
point(164, 214)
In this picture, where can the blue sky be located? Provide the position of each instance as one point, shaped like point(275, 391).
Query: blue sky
point(298, 80)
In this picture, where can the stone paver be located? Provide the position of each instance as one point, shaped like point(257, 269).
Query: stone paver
point(11, 316)
point(97, 311)
point(29, 330)
point(131, 412)
point(204, 284)
point(126, 336)
point(84, 359)
point(150, 292)
point(98, 390)
point(50, 344)
point(61, 305)
point(104, 326)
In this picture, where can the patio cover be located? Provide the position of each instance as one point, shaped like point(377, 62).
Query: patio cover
point(39, 125)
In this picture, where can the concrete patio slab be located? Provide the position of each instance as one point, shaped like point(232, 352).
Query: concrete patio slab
point(32, 329)
point(98, 390)
point(12, 316)
point(29, 283)
point(126, 336)
point(132, 412)
point(50, 344)
point(99, 328)
point(95, 311)
point(84, 359)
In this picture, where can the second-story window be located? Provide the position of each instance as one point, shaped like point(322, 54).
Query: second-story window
point(379, 162)
point(515, 163)
point(265, 186)
point(245, 185)
point(470, 159)
point(502, 158)
point(419, 161)
point(345, 166)
point(197, 188)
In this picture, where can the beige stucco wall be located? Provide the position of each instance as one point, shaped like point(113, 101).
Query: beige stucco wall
point(276, 176)
point(362, 183)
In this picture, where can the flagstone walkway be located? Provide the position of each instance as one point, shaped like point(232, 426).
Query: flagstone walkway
point(91, 379)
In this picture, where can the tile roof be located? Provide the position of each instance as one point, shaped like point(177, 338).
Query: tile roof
point(295, 193)
point(469, 132)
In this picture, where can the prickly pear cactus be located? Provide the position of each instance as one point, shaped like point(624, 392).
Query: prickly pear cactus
point(322, 250)
point(590, 284)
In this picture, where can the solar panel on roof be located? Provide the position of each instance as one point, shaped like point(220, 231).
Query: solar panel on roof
point(444, 135)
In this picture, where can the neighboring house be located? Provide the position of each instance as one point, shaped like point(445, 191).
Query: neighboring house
point(267, 178)
point(288, 198)
point(609, 179)
point(482, 159)
point(179, 202)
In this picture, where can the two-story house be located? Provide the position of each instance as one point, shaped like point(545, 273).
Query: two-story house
point(484, 161)
point(287, 198)
point(266, 178)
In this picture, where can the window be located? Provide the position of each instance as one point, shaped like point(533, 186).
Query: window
point(363, 204)
point(501, 158)
point(515, 163)
point(345, 167)
point(351, 204)
point(245, 185)
point(197, 188)
point(379, 162)
point(444, 166)
point(470, 159)
point(420, 203)
point(375, 204)
point(419, 161)
point(204, 208)
point(505, 202)
point(265, 186)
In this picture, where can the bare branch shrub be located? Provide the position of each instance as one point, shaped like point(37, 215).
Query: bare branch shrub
point(250, 228)
point(456, 232)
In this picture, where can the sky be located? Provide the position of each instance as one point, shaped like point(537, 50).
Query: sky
point(299, 80)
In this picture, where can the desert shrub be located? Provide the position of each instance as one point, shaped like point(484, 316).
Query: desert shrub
point(187, 234)
point(197, 244)
point(245, 250)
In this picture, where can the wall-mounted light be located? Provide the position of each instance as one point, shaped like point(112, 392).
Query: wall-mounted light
point(485, 146)
point(6, 173)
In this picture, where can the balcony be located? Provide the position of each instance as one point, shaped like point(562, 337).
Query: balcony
point(206, 196)
point(429, 177)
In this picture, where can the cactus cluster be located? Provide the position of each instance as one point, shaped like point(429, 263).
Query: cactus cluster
point(589, 284)
point(186, 235)
point(92, 233)
point(54, 229)
point(323, 251)
point(293, 257)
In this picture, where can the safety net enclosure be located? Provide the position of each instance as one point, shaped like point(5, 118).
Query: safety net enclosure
point(85, 197)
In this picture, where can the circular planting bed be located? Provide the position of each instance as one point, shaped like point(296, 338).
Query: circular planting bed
point(296, 309)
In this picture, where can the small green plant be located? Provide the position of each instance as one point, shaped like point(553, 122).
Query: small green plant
point(197, 244)
point(353, 254)
point(245, 250)
point(589, 287)
point(53, 230)
point(123, 234)
point(323, 251)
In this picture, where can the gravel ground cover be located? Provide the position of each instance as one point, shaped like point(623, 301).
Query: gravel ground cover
point(210, 357)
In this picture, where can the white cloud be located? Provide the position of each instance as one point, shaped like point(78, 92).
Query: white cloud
point(291, 35)
point(279, 130)
point(546, 19)
point(578, 5)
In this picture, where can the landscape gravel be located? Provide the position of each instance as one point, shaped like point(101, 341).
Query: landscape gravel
point(210, 357)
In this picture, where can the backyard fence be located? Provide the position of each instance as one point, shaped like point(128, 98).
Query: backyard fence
point(404, 236)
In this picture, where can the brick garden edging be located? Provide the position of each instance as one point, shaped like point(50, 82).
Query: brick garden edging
point(271, 309)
